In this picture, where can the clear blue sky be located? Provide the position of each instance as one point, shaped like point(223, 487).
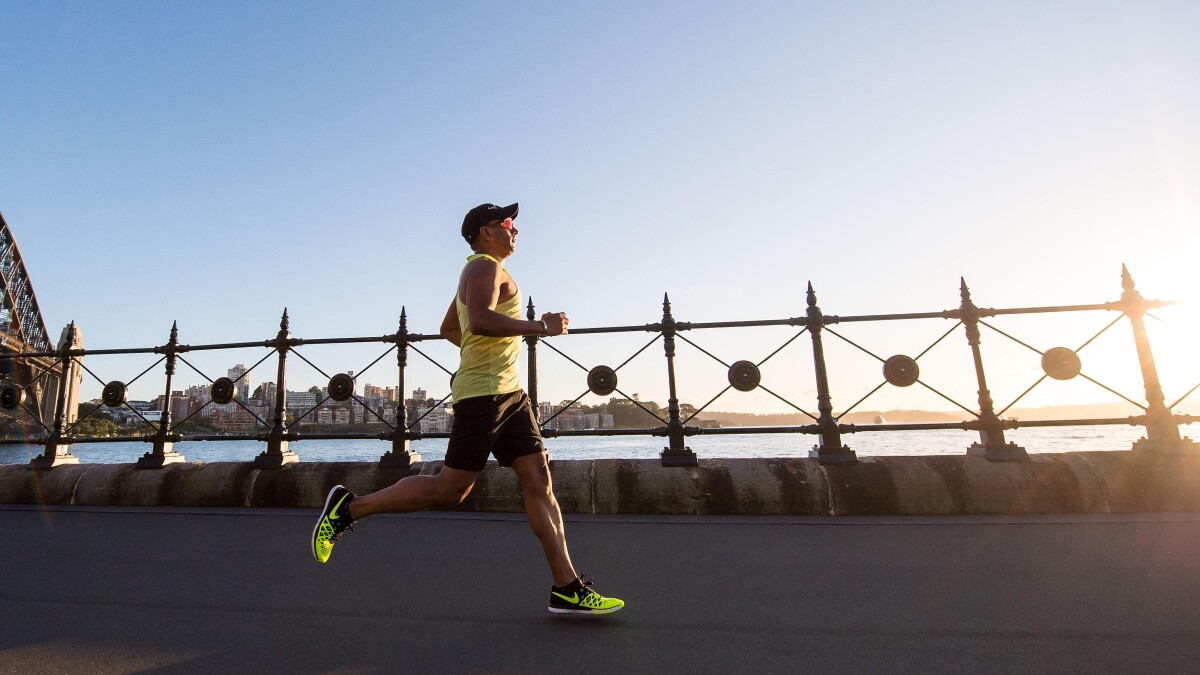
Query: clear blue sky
point(215, 162)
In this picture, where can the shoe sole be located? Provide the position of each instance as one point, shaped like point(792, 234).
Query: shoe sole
point(321, 519)
point(561, 610)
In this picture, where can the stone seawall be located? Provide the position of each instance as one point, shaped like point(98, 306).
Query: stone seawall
point(1077, 482)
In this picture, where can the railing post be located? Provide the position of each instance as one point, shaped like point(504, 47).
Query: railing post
point(532, 342)
point(401, 455)
point(1162, 433)
point(830, 450)
point(163, 452)
point(56, 453)
point(676, 454)
point(991, 433)
point(277, 453)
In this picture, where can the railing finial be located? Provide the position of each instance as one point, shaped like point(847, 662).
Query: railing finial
point(284, 322)
point(812, 296)
point(963, 291)
point(1126, 278)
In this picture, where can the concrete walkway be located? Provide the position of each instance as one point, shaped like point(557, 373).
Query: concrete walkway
point(89, 590)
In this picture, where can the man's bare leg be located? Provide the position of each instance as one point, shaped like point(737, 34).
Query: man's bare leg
point(545, 518)
point(447, 488)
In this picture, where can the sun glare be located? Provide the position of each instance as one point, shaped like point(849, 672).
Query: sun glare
point(1174, 339)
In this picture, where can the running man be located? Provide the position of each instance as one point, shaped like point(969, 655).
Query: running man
point(492, 415)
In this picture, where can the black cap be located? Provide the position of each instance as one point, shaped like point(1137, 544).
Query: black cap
point(482, 215)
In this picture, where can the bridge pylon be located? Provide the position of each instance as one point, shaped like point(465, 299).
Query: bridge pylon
point(62, 393)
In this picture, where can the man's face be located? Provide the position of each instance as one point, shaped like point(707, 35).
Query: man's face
point(504, 232)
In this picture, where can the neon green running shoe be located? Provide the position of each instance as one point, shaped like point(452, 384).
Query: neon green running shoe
point(334, 521)
point(578, 597)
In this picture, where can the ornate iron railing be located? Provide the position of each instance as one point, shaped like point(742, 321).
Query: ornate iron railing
point(1062, 363)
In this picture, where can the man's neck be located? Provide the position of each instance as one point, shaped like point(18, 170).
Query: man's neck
point(500, 256)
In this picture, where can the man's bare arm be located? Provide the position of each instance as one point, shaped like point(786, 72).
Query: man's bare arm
point(481, 294)
point(450, 329)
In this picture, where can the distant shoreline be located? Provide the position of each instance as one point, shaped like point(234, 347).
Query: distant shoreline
point(1083, 411)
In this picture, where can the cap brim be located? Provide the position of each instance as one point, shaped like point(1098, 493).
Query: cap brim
point(509, 211)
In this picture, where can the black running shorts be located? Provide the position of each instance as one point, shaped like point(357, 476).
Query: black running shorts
point(502, 425)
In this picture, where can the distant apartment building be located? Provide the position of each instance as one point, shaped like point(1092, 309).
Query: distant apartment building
point(323, 415)
point(197, 396)
point(435, 417)
point(300, 400)
point(133, 412)
point(267, 396)
point(232, 417)
point(371, 392)
point(380, 404)
point(180, 406)
point(333, 415)
point(574, 421)
point(239, 375)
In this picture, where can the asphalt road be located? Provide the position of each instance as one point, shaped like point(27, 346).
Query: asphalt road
point(236, 591)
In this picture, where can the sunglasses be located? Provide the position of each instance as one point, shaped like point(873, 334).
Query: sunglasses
point(507, 223)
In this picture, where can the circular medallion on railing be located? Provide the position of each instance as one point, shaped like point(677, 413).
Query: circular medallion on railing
point(223, 391)
point(341, 387)
point(602, 380)
point(1061, 363)
point(114, 394)
point(901, 371)
point(744, 376)
point(12, 396)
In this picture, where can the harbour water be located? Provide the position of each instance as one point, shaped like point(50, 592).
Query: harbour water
point(1037, 440)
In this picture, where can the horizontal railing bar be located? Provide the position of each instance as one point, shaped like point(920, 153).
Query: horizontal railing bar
point(296, 342)
point(32, 355)
point(1136, 420)
point(647, 328)
point(71, 440)
point(965, 425)
point(688, 325)
point(835, 319)
point(103, 352)
point(378, 436)
point(221, 437)
point(975, 425)
point(1107, 306)
point(555, 433)
point(183, 349)
point(1110, 306)
point(722, 431)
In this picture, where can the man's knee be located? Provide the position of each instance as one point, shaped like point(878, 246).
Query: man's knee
point(533, 472)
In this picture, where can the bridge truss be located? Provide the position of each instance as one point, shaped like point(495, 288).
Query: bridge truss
point(21, 325)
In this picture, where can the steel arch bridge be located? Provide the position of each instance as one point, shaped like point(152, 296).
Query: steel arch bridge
point(23, 331)
point(21, 325)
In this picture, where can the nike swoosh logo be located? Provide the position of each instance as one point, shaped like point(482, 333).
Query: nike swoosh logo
point(574, 599)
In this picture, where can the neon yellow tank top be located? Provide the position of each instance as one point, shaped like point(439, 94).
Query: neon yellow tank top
point(487, 365)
